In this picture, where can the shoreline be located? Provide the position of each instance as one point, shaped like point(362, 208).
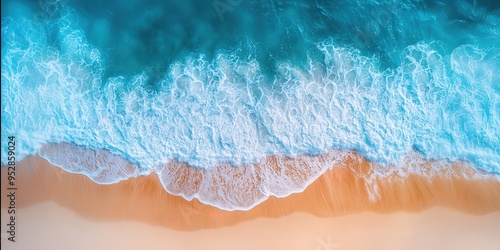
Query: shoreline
point(338, 192)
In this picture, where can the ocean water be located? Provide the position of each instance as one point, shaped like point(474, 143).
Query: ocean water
point(129, 86)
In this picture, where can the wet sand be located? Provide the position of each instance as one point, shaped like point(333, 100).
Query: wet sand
point(50, 226)
point(339, 194)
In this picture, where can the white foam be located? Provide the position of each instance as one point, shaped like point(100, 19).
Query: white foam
point(101, 166)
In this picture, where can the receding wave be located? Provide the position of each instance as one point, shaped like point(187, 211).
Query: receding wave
point(242, 187)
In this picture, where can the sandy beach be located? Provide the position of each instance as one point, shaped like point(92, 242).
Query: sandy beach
point(335, 209)
point(50, 226)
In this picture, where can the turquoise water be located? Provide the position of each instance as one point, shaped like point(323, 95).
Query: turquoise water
point(208, 82)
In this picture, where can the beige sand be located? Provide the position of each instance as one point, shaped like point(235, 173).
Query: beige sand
point(50, 226)
point(338, 192)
